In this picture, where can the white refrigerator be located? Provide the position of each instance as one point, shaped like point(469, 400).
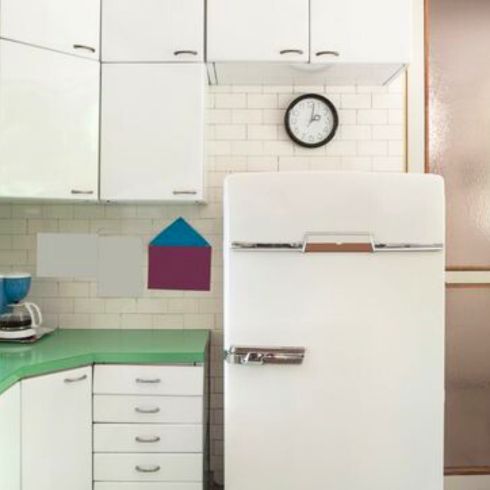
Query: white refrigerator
point(334, 331)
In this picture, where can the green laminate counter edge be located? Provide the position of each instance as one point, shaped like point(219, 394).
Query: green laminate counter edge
point(68, 349)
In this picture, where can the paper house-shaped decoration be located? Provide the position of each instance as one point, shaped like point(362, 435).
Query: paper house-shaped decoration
point(179, 258)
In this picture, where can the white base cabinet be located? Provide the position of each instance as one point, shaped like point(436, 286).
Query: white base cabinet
point(49, 124)
point(57, 431)
point(10, 439)
point(149, 427)
point(146, 430)
point(152, 133)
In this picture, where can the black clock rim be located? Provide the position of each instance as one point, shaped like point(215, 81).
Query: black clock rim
point(327, 102)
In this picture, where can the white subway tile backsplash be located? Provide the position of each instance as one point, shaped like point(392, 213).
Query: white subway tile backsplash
point(355, 133)
point(247, 116)
point(391, 132)
point(231, 132)
point(262, 131)
point(230, 101)
point(372, 116)
point(13, 226)
point(262, 101)
point(388, 101)
point(355, 101)
point(373, 148)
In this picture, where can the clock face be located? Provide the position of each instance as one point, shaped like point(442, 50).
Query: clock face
point(311, 120)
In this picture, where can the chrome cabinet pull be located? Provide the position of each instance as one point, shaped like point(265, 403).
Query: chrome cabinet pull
point(80, 192)
point(147, 469)
point(186, 51)
point(86, 48)
point(148, 381)
point(147, 439)
point(327, 53)
point(147, 410)
point(291, 51)
point(184, 193)
point(75, 380)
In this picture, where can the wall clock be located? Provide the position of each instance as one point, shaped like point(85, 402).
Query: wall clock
point(311, 120)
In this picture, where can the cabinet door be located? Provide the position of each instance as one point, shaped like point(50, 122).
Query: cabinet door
point(10, 439)
point(360, 31)
point(258, 30)
point(49, 105)
point(152, 131)
point(71, 26)
point(153, 30)
point(57, 431)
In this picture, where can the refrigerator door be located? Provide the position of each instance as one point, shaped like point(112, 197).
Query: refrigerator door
point(363, 408)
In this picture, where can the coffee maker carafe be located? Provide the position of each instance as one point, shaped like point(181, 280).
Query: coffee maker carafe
point(18, 319)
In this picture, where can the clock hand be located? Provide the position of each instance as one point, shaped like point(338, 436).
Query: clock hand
point(312, 118)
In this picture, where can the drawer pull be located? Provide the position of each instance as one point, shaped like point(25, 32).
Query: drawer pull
point(148, 381)
point(147, 410)
point(75, 380)
point(147, 439)
point(147, 469)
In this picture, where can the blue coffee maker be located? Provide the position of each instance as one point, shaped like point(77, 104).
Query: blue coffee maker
point(18, 319)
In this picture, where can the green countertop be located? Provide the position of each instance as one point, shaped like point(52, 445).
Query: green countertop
point(66, 349)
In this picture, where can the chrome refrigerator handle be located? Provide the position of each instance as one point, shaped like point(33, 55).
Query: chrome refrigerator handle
point(246, 355)
point(337, 242)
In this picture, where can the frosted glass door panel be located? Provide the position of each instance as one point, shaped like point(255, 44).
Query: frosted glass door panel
point(467, 377)
point(459, 123)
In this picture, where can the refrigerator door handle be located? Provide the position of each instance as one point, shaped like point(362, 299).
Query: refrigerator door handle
point(337, 242)
point(264, 355)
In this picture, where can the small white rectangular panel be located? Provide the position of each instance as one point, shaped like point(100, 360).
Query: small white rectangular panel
point(67, 255)
point(120, 266)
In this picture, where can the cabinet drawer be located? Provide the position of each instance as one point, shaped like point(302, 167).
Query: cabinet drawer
point(147, 486)
point(148, 380)
point(148, 409)
point(148, 467)
point(143, 438)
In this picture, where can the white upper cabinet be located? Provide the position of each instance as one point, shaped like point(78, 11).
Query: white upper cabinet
point(153, 30)
point(152, 131)
point(57, 431)
point(71, 26)
point(10, 439)
point(258, 30)
point(49, 112)
point(333, 42)
point(360, 31)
